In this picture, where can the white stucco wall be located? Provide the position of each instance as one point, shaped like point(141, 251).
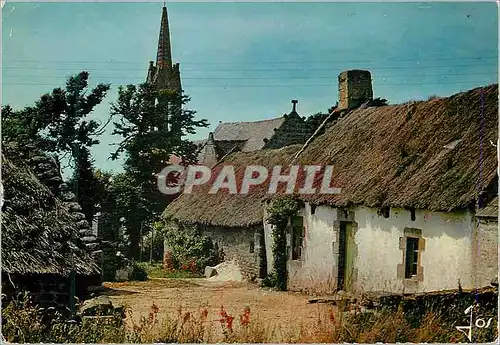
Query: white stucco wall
point(315, 270)
point(448, 254)
point(445, 260)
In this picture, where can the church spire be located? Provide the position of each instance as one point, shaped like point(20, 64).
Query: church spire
point(164, 54)
point(164, 75)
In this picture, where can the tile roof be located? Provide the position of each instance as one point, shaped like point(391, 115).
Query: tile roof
point(253, 132)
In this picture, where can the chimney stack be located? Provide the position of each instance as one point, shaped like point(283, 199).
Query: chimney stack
point(294, 102)
point(355, 88)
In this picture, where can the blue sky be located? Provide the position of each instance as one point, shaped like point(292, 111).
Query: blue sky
point(247, 61)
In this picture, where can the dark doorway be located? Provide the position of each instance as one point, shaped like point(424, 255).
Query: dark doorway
point(345, 259)
point(262, 255)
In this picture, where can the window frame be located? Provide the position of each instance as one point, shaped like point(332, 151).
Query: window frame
point(412, 259)
point(297, 242)
point(419, 247)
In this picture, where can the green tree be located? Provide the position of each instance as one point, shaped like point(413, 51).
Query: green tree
point(153, 124)
point(58, 123)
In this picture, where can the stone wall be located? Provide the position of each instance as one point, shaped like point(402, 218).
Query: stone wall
point(294, 130)
point(245, 245)
point(43, 289)
point(355, 88)
point(485, 251)
point(209, 152)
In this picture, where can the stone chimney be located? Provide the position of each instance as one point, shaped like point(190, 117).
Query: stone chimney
point(210, 152)
point(355, 88)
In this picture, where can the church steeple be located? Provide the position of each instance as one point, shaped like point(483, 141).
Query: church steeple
point(164, 54)
point(164, 75)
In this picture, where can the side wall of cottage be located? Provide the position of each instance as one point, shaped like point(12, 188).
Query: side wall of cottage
point(242, 245)
point(485, 251)
point(445, 252)
point(315, 272)
point(378, 248)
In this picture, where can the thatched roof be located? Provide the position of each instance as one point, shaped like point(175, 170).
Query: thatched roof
point(423, 155)
point(38, 235)
point(222, 208)
point(490, 210)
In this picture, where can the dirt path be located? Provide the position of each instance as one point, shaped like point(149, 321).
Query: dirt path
point(284, 310)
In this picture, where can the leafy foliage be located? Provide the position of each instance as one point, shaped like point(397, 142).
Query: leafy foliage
point(157, 253)
point(190, 249)
point(280, 212)
point(58, 123)
point(152, 124)
point(139, 272)
point(23, 322)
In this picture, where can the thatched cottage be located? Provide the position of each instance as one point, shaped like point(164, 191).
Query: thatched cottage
point(232, 221)
point(416, 210)
point(41, 242)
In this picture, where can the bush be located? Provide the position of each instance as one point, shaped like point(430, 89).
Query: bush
point(23, 322)
point(139, 272)
point(280, 212)
point(190, 250)
point(156, 270)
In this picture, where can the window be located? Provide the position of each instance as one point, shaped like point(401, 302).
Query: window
point(252, 246)
point(384, 211)
point(412, 214)
point(411, 257)
point(297, 237)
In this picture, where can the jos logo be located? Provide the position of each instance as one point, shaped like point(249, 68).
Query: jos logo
point(479, 323)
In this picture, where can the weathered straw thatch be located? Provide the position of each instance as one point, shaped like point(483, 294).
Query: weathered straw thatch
point(38, 235)
point(425, 155)
point(433, 155)
point(222, 208)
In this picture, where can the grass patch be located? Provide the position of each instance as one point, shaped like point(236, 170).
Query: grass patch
point(156, 270)
point(25, 323)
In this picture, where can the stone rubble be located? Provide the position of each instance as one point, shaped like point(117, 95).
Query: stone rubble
point(227, 271)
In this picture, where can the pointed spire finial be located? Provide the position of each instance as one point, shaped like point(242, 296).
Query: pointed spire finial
point(164, 54)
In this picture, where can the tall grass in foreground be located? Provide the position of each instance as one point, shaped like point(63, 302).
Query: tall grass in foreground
point(26, 323)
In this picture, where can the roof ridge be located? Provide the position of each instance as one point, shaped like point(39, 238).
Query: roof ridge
point(240, 122)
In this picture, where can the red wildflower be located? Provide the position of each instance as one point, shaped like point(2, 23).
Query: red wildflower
point(229, 322)
point(332, 316)
point(245, 317)
point(222, 314)
point(192, 266)
point(154, 308)
point(226, 319)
